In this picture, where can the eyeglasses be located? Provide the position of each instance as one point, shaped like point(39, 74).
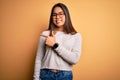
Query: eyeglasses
point(60, 14)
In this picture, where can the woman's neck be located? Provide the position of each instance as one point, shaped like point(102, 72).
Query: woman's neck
point(59, 29)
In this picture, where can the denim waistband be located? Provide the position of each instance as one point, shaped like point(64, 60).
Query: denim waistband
point(52, 70)
point(47, 74)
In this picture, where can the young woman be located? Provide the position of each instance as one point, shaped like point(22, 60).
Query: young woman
point(59, 47)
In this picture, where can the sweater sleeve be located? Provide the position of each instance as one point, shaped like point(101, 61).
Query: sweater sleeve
point(39, 55)
point(72, 56)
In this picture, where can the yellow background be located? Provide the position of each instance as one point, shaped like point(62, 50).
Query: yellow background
point(21, 22)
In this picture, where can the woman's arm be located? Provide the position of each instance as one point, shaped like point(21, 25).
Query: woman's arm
point(71, 56)
point(39, 56)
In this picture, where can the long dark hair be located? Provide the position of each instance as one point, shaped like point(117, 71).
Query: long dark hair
point(68, 27)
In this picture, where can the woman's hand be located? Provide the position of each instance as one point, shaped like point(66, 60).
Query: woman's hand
point(50, 40)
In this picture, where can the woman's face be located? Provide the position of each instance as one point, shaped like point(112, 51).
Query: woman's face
point(58, 17)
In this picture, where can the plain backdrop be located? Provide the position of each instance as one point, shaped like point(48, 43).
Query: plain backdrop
point(98, 21)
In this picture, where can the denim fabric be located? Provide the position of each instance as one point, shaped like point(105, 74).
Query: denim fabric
point(46, 74)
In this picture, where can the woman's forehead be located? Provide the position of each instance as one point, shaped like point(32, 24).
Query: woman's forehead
point(57, 10)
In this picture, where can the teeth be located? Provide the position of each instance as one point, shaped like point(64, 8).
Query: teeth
point(58, 21)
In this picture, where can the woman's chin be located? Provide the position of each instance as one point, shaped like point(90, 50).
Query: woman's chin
point(59, 25)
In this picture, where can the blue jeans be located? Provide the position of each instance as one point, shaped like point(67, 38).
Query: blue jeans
point(46, 74)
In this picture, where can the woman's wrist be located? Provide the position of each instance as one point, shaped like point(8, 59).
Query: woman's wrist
point(55, 46)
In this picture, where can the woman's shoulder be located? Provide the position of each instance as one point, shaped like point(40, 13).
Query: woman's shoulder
point(46, 32)
point(77, 35)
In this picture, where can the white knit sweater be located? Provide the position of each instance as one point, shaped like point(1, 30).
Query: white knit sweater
point(63, 57)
